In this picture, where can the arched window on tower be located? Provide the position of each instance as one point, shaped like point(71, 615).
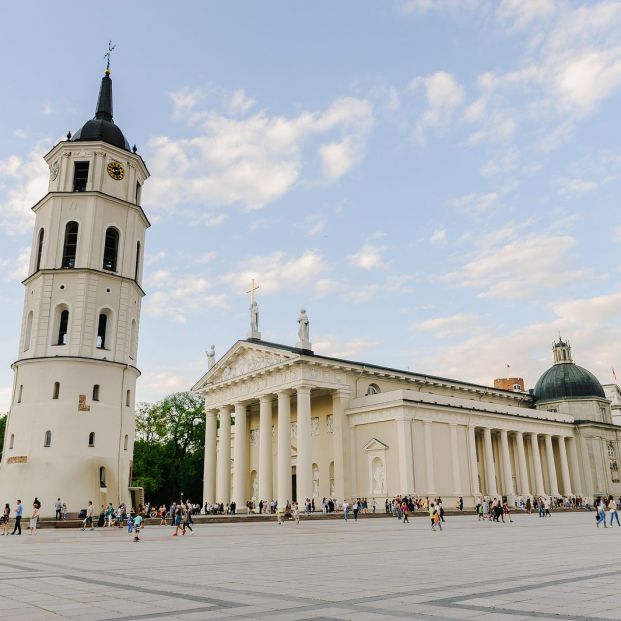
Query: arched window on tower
point(111, 249)
point(373, 389)
point(137, 261)
point(96, 392)
point(102, 325)
point(12, 441)
point(91, 438)
point(20, 393)
point(39, 250)
point(70, 246)
point(63, 327)
point(48, 438)
point(128, 395)
point(102, 477)
point(125, 443)
point(28, 334)
point(56, 391)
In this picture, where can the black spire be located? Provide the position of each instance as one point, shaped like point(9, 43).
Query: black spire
point(102, 127)
point(104, 101)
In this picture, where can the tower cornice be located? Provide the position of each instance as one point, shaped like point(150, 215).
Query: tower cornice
point(109, 197)
point(120, 154)
point(86, 359)
point(84, 270)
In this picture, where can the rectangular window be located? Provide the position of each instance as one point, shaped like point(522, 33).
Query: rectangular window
point(80, 176)
point(127, 398)
point(138, 193)
point(96, 392)
point(56, 391)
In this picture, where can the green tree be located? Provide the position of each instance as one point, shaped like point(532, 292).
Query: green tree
point(170, 447)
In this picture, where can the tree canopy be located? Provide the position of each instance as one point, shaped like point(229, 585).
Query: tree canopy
point(169, 448)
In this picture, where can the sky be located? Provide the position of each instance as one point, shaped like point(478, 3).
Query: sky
point(435, 181)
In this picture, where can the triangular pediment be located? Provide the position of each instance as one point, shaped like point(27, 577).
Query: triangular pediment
point(242, 359)
point(374, 445)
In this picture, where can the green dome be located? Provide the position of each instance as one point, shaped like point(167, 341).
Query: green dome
point(567, 381)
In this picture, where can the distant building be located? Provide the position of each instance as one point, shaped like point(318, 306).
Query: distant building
point(516, 384)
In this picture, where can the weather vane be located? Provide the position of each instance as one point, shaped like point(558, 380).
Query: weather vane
point(107, 55)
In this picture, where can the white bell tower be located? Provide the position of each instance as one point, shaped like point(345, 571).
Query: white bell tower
point(70, 430)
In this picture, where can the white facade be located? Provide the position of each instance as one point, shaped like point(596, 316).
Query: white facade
point(70, 429)
point(296, 425)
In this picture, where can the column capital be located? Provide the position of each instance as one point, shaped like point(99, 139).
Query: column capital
point(226, 409)
point(241, 406)
point(285, 392)
point(268, 397)
point(303, 388)
point(211, 411)
point(341, 392)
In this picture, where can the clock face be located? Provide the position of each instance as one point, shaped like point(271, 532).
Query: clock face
point(54, 171)
point(116, 171)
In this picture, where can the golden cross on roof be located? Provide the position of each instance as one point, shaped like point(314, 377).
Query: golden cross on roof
point(107, 55)
point(251, 291)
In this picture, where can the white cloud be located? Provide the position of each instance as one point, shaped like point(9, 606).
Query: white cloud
point(162, 382)
point(438, 237)
point(23, 182)
point(421, 7)
point(443, 94)
point(277, 272)
point(17, 267)
point(517, 14)
point(174, 296)
point(185, 100)
point(591, 325)
point(209, 219)
point(509, 265)
point(368, 257)
point(449, 325)
point(316, 224)
point(476, 202)
point(240, 102)
point(253, 160)
point(336, 348)
point(568, 187)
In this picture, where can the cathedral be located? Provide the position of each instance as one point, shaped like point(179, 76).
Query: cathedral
point(70, 427)
point(284, 423)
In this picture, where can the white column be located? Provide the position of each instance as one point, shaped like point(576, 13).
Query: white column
point(341, 447)
point(474, 468)
point(524, 488)
point(575, 466)
point(209, 473)
point(304, 474)
point(490, 469)
point(266, 492)
point(240, 461)
point(564, 466)
point(506, 466)
point(431, 484)
point(534, 441)
point(457, 490)
point(551, 467)
point(406, 459)
point(283, 477)
point(224, 457)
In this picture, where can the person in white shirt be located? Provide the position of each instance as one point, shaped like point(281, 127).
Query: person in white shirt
point(346, 509)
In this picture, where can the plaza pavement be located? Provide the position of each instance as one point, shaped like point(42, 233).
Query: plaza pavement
point(558, 568)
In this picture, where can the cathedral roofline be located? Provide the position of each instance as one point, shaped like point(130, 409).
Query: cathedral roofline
point(306, 355)
point(125, 203)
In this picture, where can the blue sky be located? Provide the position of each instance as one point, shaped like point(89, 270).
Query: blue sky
point(435, 181)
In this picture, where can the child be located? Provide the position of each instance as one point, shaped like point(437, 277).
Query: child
point(137, 521)
point(130, 523)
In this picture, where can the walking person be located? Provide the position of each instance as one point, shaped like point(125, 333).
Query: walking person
point(5, 519)
point(296, 512)
point(88, 518)
point(612, 510)
point(405, 509)
point(356, 508)
point(58, 507)
point(600, 507)
point(34, 518)
point(187, 519)
point(19, 510)
point(345, 510)
point(137, 525)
